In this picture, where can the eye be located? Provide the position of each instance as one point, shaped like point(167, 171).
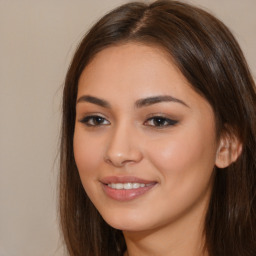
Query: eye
point(159, 121)
point(94, 121)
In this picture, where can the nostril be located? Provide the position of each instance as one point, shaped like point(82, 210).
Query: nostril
point(107, 160)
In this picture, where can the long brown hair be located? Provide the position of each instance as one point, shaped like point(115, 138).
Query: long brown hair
point(211, 60)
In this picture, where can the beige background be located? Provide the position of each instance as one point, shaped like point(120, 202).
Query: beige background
point(37, 39)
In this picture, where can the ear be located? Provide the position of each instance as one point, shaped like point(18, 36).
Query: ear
point(229, 149)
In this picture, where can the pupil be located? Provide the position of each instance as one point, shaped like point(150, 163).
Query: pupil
point(98, 120)
point(159, 121)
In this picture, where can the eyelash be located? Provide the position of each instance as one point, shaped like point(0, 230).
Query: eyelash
point(96, 121)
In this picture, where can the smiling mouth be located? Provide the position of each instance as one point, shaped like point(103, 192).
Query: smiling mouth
point(126, 188)
point(128, 185)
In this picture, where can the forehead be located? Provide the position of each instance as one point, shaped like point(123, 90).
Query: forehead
point(127, 58)
point(136, 71)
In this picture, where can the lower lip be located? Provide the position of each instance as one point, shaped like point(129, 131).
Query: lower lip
point(126, 194)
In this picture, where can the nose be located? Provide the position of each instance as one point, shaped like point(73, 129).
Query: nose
point(123, 147)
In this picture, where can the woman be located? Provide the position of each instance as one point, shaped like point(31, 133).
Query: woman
point(158, 137)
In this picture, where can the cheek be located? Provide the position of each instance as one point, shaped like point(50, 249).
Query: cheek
point(87, 153)
point(185, 163)
point(185, 154)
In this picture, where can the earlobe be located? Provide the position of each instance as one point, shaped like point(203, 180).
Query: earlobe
point(230, 148)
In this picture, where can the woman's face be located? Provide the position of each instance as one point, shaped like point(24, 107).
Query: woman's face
point(144, 140)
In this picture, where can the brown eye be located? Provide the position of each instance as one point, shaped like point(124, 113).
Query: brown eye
point(159, 121)
point(94, 121)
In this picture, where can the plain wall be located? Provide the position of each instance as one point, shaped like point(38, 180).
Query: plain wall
point(37, 40)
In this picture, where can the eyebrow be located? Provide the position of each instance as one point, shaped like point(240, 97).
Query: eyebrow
point(94, 100)
point(139, 103)
point(157, 99)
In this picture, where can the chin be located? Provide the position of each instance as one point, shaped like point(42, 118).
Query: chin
point(128, 222)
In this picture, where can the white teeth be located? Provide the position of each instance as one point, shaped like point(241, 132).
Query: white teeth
point(137, 185)
point(127, 185)
point(119, 186)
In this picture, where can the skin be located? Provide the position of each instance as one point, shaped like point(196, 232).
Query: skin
point(179, 157)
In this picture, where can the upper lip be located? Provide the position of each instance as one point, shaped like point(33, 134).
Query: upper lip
point(125, 179)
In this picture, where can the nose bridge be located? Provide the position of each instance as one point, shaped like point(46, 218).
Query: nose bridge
point(123, 145)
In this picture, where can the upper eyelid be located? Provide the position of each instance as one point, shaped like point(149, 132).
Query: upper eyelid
point(159, 116)
point(162, 115)
point(91, 114)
